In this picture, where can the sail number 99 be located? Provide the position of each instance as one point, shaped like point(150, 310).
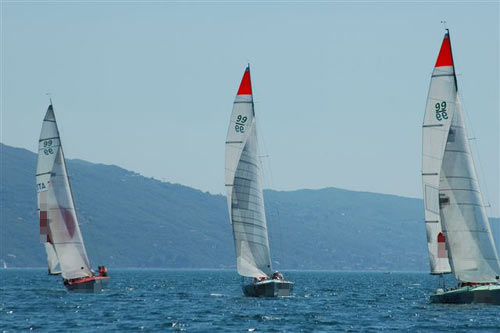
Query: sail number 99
point(240, 124)
point(47, 149)
point(441, 111)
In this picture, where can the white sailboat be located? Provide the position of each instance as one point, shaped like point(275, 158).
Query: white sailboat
point(59, 229)
point(458, 231)
point(245, 200)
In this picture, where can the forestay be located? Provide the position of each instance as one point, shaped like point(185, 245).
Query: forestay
point(438, 114)
point(58, 221)
point(465, 223)
point(244, 187)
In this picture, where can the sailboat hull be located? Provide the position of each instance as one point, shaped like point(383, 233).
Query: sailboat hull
point(88, 285)
point(489, 294)
point(268, 288)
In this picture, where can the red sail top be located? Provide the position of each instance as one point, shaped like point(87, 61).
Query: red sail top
point(246, 85)
point(445, 58)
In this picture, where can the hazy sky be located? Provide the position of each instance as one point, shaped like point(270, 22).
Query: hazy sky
point(340, 88)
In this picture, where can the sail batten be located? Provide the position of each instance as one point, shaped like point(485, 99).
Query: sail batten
point(244, 188)
point(59, 227)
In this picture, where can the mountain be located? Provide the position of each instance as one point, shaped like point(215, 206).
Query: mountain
point(128, 220)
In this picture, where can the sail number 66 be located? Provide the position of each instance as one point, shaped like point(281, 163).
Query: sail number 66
point(441, 111)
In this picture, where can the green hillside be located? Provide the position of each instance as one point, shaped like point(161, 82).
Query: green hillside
point(128, 220)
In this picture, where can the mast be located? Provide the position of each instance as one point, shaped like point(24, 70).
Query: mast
point(452, 62)
point(244, 187)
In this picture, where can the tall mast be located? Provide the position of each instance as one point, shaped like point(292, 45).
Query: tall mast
point(453, 60)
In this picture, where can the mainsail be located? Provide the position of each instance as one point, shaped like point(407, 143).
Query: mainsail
point(244, 188)
point(458, 201)
point(58, 221)
point(437, 120)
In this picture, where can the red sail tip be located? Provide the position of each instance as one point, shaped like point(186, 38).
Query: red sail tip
point(445, 58)
point(246, 85)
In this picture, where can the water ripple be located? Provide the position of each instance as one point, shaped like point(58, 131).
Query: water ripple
point(207, 301)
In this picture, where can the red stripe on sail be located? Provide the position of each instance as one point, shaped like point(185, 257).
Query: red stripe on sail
point(246, 84)
point(44, 230)
point(442, 253)
point(445, 58)
point(68, 220)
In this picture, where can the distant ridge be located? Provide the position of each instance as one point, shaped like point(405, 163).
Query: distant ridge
point(128, 220)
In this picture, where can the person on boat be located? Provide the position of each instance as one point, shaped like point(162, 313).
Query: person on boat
point(103, 271)
point(277, 276)
point(259, 279)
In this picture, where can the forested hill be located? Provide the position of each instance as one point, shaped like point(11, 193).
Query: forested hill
point(128, 220)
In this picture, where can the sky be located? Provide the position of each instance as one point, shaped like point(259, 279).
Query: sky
point(339, 87)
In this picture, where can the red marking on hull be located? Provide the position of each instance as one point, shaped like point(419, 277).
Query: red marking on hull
point(87, 284)
point(445, 58)
point(246, 84)
point(90, 278)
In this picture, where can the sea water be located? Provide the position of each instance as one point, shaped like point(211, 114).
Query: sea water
point(212, 301)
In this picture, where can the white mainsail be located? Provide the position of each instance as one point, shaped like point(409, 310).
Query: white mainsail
point(453, 195)
point(438, 114)
point(244, 188)
point(58, 221)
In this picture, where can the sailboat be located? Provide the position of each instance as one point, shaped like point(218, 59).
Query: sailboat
point(59, 229)
point(246, 201)
point(458, 232)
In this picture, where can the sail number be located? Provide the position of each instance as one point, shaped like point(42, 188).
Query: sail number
point(47, 149)
point(240, 124)
point(441, 111)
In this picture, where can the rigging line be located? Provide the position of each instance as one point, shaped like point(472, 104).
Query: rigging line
point(482, 177)
point(270, 180)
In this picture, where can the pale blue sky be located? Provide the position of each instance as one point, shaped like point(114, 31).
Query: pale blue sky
point(340, 88)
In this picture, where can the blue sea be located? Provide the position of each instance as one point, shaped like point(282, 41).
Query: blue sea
point(212, 301)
